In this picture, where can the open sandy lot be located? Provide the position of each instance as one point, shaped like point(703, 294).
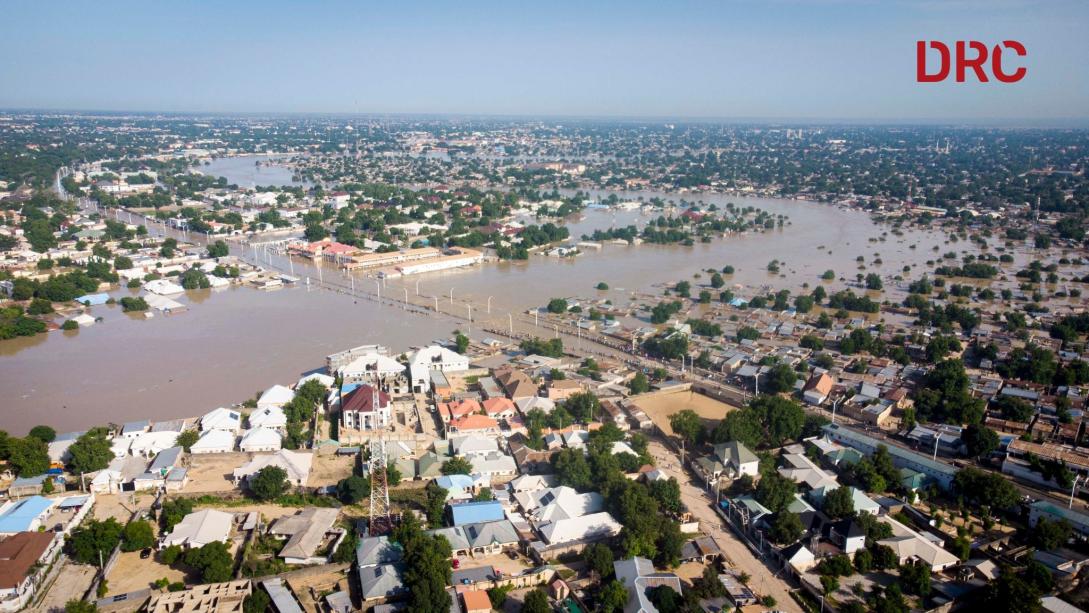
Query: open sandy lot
point(212, 472)
point(131, 573)
point(659, 406)
point(328, 469)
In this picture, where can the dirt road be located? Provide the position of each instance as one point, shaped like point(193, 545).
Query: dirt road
point(698, 501)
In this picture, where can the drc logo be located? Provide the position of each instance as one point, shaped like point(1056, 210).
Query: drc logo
point(968, 55)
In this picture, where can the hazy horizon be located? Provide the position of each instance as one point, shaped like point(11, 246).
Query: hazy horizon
point(784, 61)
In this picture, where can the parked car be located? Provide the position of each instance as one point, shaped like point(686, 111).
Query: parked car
point(145, 554)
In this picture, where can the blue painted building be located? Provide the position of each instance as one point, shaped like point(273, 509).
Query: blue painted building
point(476, 512)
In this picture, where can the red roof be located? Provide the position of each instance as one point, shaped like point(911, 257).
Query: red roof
point(474, 422)
point(18, 553)
point(459, 408)
point(362, 400)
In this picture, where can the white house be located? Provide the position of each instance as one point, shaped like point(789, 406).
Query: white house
point(214, 441)
point(295, 463)
point(229, 420)
point(151, 443)
point(200, 528)
point(275, 396)
point(268, 417)
point(261, 439)
point(434, 357)
point(587, 527)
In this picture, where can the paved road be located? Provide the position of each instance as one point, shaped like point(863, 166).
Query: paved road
point(739, 556)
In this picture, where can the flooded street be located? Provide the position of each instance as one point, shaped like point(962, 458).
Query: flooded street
point(232, 343)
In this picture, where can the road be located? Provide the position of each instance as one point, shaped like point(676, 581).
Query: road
point(698, 500)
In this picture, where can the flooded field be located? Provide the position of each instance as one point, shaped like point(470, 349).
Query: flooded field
point(245, 340)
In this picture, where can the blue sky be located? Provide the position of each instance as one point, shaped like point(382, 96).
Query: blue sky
point(740, 59)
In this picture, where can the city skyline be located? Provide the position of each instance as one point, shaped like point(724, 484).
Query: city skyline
point(739, 61)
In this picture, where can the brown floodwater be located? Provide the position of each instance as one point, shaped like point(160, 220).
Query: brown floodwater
point(232, 343)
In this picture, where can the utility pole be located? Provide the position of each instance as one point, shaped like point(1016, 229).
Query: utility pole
point(936, 439)
point(834, 404)
point(1072, 490)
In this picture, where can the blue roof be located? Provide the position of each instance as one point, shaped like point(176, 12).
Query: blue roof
point(93, 299)
point(22, 514)
point(449, 482)
point(476, 512)
point(73, 501)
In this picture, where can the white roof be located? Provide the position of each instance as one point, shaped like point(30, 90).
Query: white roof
point(525, 405)
point(268, 417)
point(493, 462)
point(296, 463)
point(150, 443)
point(908, 543)
point(163, 287)
point(597, 525)
point(260, 438)
point(528, 483)
point(561, 502)
point(200, 528)
point(437, 357)
point(471, 443)
point(325, 380)
point(372, 363)
point(221, 419)
point(277, 395)
point(214, 439)
point(622, 447)
point(84, 319)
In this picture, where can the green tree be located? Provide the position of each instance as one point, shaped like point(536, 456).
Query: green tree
point(979, 440)
point(780, 379)
point(173, 511)
point(218, 249)
point(427, 567)
point(786, 528)
point(353, 489)
point(268, 483)
point(257, 602)
point(583, 406)
point(28, 457)
point(838, 503)
point(599, 560)
point(1047, 534)
point(461, 341)
point(92, 451)
point(44, 434)
point(915, 577)
point(436, 504)
point(214, 562)
point(687, 425)
point(536, 602)
point(80, 606)
point(557, 306)
point(187, 439)
point(137, 535)
point(573, 470)
point(614, 596)
point(94, 541)
point(639, 384)
point(1011, 593)
point(457, 466)
point(194, 278)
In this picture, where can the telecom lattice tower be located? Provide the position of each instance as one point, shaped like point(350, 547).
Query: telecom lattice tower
point(380, 517)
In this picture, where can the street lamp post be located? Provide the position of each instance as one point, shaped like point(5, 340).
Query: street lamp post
point(1072, 490)
point(937, 439)
point(835, 403)
point(378, 288)
point(451, 296)
point(417, 287)
point(489, 305)
point(510, 321)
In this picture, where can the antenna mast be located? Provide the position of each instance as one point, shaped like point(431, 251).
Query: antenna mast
point(380, 516)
